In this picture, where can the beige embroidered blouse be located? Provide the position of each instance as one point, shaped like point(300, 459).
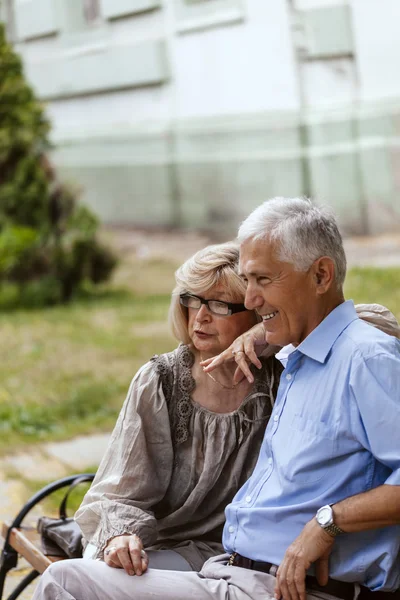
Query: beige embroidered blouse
point(172, 466)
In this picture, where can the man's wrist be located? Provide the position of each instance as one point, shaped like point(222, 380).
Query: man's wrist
point(326, 520)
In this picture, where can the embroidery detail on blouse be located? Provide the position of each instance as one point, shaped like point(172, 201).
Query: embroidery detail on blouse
point(175, 370)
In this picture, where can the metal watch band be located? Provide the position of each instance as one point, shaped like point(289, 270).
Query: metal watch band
point(333, 530)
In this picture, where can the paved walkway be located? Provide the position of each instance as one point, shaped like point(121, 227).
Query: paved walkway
point(378, 251)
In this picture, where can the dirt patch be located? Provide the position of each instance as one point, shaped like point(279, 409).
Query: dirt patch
point(175, 246)
point(374, 251)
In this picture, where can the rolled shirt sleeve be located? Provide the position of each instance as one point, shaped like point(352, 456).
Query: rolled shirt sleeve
point(375, 385)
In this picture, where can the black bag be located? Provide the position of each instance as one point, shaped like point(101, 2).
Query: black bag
point(62, 537)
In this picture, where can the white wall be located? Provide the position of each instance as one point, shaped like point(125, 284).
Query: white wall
point(329, 84)
point(103, 112)
point(76, 116)
point(238, 68)
point(245, 67)
point(307, 4)
point(376, 26)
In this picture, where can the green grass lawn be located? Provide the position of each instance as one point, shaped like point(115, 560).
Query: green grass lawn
point(375, 285)
point(65, 371)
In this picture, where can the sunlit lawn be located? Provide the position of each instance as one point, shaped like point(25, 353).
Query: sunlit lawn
point(375, 285)
point(65, 371)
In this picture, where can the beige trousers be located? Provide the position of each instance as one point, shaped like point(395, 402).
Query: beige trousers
point(81, 579)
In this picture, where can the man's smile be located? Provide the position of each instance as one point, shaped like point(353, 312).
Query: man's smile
point(269, 316)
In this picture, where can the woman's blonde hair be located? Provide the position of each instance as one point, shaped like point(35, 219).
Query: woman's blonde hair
point(214, 265)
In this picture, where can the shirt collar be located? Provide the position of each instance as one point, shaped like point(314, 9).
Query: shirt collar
point(319, 342)
point(284, 353)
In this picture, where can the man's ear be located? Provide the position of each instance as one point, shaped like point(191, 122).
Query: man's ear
point(323, 271)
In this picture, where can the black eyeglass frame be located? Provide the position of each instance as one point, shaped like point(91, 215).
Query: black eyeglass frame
point(233, 307)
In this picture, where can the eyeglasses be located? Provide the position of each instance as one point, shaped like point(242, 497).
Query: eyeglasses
point(217, 307)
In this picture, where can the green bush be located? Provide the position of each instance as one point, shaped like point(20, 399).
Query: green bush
point(48, 243)
point(16, 245)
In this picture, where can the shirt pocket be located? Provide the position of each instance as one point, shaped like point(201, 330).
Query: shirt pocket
point(307, 451)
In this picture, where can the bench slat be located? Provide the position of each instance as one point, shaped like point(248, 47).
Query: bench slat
point(24, 546)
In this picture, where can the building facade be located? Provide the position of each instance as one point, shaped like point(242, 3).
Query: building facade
point(192, 112)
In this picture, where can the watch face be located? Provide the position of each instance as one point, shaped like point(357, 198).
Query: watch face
point(324, 516)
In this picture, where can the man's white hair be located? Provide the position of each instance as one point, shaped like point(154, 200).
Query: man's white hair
point(303, 231)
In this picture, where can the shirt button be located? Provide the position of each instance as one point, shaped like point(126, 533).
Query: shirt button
point(231, 529)
point(288, 376)
point(270, 461)
point(248, 498)
point(276, 418)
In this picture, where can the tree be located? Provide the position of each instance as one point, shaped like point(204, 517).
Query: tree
point(48, 241)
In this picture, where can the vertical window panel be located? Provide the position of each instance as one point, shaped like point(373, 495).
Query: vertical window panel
point(91, 11)
point(9, 17)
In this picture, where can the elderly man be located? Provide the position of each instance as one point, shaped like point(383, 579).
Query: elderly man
point(321, 513)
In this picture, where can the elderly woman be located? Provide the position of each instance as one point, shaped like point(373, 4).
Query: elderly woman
point(185, 441)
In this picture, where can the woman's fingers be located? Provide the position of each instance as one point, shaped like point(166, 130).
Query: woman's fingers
point(111, 557)
point(212, 363)
point(240, 358)
point(145, 561)
point(253, 342)
point(243, 350)
point(126, 561)
point(238, 376)
point(228, 355)
point(135, 551)
point(126, 552)
point(249, 345)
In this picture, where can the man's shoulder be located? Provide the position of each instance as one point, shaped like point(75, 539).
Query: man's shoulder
point(362, 340)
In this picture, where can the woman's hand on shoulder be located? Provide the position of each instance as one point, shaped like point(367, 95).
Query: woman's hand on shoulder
point(244, 350)
point(126, 552)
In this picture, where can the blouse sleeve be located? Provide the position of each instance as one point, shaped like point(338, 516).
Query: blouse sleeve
point(135, 471)
point(380, 317)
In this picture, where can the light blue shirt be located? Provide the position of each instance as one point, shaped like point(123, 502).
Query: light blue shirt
point(334, 432)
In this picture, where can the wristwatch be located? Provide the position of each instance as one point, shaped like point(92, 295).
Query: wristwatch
point(324, 518)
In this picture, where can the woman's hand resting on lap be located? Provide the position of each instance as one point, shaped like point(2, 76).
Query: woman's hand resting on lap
point(126, 552)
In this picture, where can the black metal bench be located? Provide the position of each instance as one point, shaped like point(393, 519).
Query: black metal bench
point(21, 540)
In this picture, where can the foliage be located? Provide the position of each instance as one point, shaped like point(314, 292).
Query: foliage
point(17, 244)
point(48, 243)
